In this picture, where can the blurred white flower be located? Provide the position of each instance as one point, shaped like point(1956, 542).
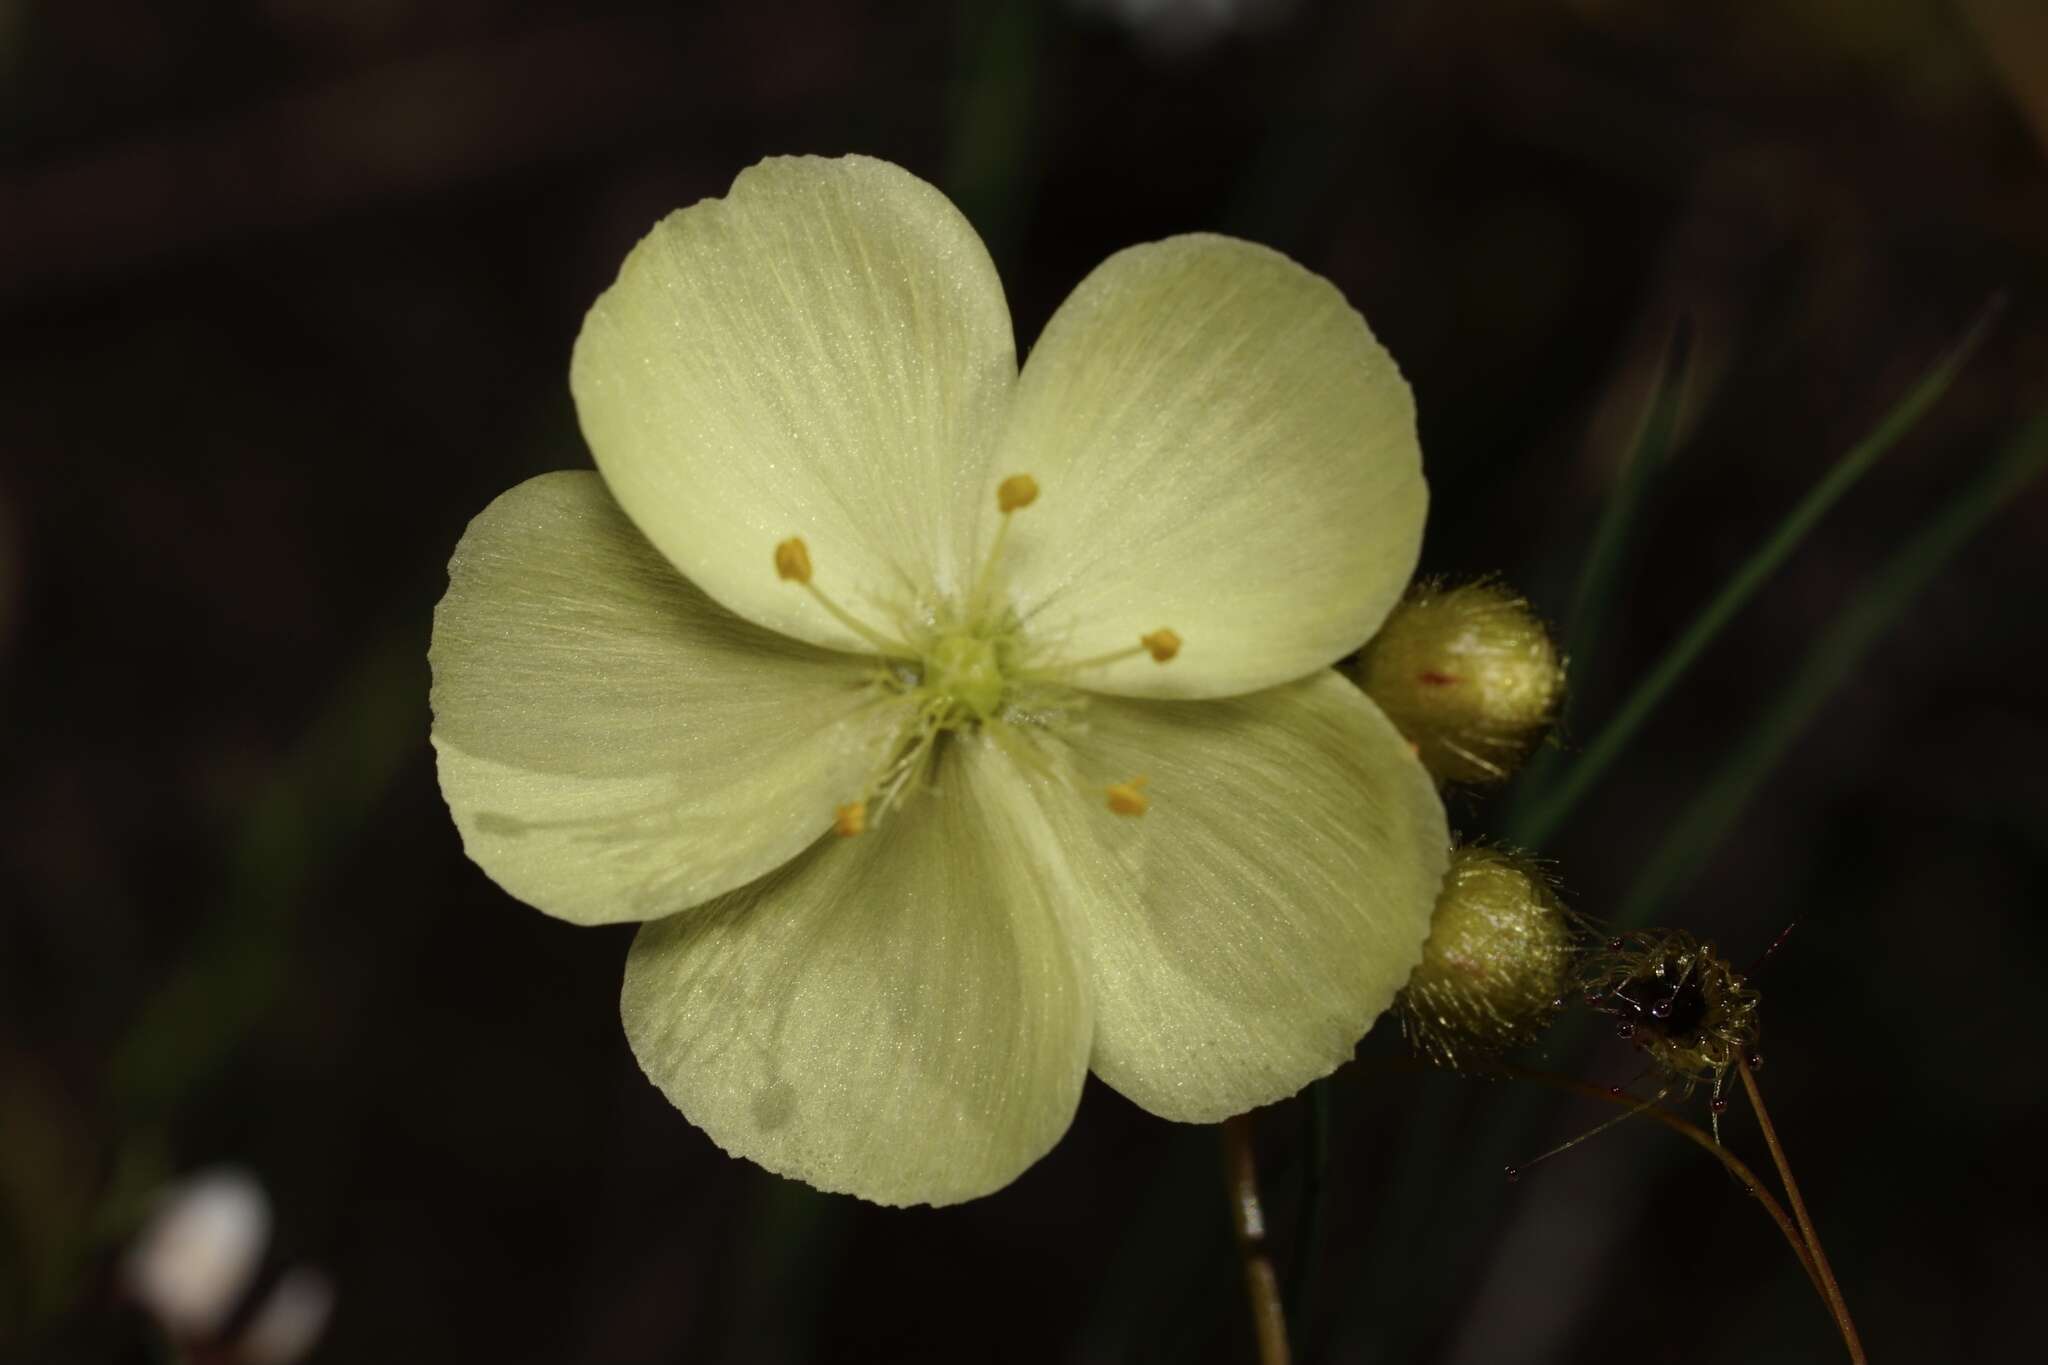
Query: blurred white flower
point(290, 1321)
point(195, 1265)
point(1174, 27)
point(195, 1256)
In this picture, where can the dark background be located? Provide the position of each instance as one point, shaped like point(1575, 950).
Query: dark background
point(287, 291)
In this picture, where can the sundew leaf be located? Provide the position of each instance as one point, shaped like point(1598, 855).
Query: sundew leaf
point(1670, 670)
point(1828, 664)
point(1599, 578)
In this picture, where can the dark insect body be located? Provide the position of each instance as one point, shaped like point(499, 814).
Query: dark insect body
point(1692, 1014)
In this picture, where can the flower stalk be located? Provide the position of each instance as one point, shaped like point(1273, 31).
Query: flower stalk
point(1700, 1138)
point(1823, 1273)
point(1248, 1222)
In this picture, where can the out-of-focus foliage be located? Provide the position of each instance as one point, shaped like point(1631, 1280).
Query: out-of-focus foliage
point(287, 291)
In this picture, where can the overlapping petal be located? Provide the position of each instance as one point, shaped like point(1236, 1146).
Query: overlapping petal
point(613, 744)
point(896, 1016)
point(825, 353)
point(1245, 931)
point(1222, 448)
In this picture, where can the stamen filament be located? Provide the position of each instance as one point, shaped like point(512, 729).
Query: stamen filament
point(1012, 495)
point(793, 565)
point(883, 643)
point(1161, 644)
point(1018, 747)
point(910, 750)
point(988, 566)
point(1115, 656)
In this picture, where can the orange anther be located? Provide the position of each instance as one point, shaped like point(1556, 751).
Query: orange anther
point(793, 561)
point(1019, 490)
point(1128, 798)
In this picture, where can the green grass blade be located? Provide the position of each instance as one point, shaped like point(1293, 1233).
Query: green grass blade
point(1593, 600)
point(1614, 740)
point(1828, 665)
point(1592, 604)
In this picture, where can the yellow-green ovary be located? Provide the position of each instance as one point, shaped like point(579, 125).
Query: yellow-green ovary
point(964, 674)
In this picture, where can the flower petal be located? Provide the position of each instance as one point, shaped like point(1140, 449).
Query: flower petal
point(823, 353)
point(895, 1015)
point(1222, 449)
point(613, 744)
point(1245, 931)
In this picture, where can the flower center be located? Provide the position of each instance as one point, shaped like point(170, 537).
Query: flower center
point(964, 678)
point(968, 668)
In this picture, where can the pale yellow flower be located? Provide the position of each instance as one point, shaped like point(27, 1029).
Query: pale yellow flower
point(955, 730)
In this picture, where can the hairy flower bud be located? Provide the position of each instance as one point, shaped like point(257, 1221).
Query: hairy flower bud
point(1467, 674)
point(1499, 958)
